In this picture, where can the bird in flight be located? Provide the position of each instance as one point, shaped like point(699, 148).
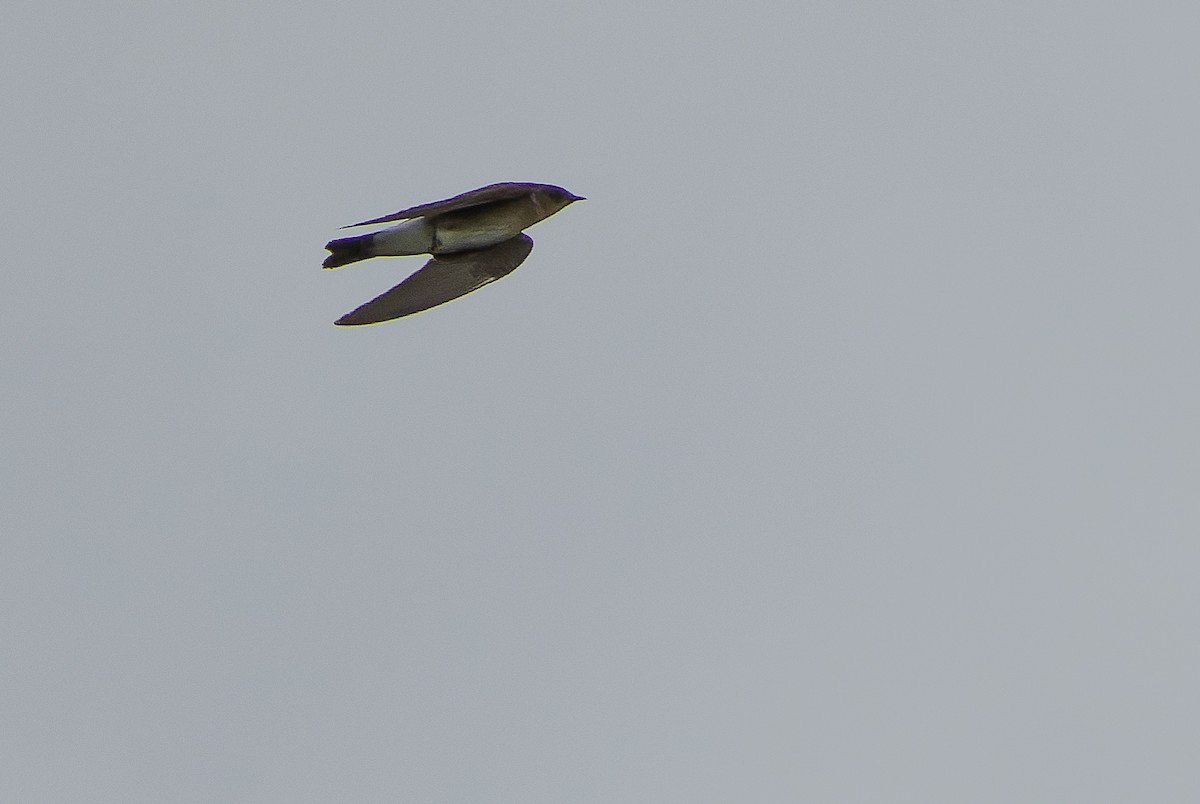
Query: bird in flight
point(475, 238)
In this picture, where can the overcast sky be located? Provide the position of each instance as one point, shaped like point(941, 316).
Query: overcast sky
point(841, 447)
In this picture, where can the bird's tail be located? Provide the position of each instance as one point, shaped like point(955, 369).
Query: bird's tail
point(346, 250)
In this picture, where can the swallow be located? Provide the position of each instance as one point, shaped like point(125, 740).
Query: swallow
point(475, 238)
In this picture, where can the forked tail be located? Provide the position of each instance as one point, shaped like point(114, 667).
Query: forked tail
point(346, 250)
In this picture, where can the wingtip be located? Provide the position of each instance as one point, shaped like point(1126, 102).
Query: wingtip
point(355, 318)
point(395, 216)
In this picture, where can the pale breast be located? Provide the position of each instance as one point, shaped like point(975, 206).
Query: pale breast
point(483, 226)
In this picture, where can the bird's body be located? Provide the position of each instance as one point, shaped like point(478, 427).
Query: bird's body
point(403, 239)
point(475, 238)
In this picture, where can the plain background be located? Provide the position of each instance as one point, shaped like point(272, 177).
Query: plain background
point(841, 447)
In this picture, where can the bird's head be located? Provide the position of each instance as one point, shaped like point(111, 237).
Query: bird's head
point(555, 198)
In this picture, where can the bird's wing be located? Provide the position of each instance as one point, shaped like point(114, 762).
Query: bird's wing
point(473, 198)
point(443, 278)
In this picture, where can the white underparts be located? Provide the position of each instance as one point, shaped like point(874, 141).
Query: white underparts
point(409, 237)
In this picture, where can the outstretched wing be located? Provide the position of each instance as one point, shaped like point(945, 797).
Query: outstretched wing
point(473, 198)
point(443, 278)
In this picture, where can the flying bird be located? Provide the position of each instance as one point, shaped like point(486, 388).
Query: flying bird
point(475, 238)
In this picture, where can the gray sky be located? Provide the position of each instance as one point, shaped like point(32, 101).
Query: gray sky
point(841, 447)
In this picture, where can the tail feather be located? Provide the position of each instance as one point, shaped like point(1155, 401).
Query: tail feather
point(346, 250)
